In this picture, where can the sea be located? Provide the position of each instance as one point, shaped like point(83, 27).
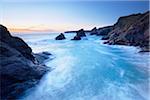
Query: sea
point(89, 70)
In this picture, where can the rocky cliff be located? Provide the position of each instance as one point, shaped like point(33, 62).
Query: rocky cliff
point(130, 30)
point(19, 69)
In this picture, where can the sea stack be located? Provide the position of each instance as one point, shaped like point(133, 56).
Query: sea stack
point(79, 34)
point(61, 36)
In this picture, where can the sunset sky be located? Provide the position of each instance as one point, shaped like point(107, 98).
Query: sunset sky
point(59, 16)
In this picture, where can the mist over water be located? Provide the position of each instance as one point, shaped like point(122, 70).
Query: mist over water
point(89, 70)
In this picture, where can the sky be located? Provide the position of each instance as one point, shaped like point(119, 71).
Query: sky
point(60, 16)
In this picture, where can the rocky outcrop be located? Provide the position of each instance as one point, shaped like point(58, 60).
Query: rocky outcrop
point(94, 31)
point(101, 31)
point(104, 30)
point(79, 34)
point(16, 43)
point(86, 31)
point(131, 30)
point(19, 69)
point(76, 38)
point(60, 37)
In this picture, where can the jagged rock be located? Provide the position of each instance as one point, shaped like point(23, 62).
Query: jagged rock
point(76, 38)
point(94, 31)
point(105, 37)
point(80, 33)
point(104, 30)
point(15, 42)
point(17, 65)
point(60, 37)
point(131, 30)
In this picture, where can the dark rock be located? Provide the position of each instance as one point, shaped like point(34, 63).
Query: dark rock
point(105, 37)
point(106, 42)
point(46, 53)
point(86, 31)
point(76, 38)
point(94, 31)
point(80, 33)
point(60, 37)
point(17, 66)
point(15, 42)
point(131, 30)
point(41, 57)
point(104, 30)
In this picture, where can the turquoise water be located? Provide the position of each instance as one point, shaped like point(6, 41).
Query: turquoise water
point(89, 70)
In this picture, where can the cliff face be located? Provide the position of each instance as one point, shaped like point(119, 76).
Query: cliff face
point(130, 30)
point(19, 69)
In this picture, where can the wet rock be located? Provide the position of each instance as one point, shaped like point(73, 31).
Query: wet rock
point(104, 30)
point(94, 31)
point(76, 38)
point(15, 42)
point(80, 33)
point(17, 66)
point(60, 37)
point(41, 57)
point(105, 37)
point(131, 30)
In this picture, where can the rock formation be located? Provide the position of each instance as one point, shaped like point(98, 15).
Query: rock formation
point(19, 69)
point(101, 31)
point(94, 31)
point(131, 30)
point(76, 38)
point(104, 30)
point(60, 37)
point(79, 34)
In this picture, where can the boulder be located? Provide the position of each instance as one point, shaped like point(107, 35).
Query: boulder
point(18, 67)
point(80, 33)
point(76, 38)
point(60, 37)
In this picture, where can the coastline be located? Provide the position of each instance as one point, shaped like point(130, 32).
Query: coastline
point(21, 69)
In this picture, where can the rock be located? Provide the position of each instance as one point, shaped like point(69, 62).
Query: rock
point(80, 33)
point(131, 30)
point(17, 66)
point(16, 43)
point(47, 53)
point(60, 37)
point(105, 37)
point(104, 30)
point(76, 38)
point(106, 42)
point(94, 31)
point(41, 57)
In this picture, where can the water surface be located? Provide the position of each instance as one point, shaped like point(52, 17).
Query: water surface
point(89, 70)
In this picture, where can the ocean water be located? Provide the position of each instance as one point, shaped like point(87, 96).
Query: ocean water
point(89, 70)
